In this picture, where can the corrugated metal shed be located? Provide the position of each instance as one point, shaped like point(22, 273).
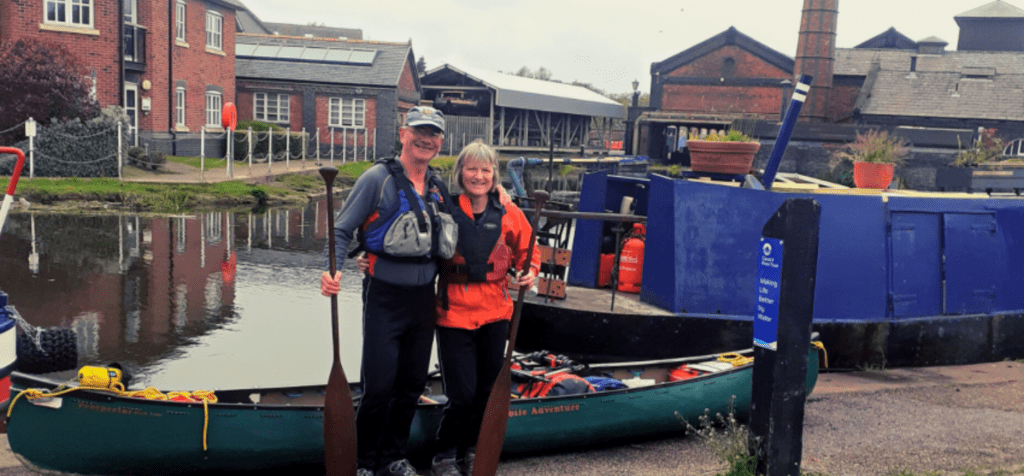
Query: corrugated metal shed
point(538, 95)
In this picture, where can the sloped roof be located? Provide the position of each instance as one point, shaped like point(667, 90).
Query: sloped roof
point(996, 9)
point(933, 40)
point(247, 22)
point(972, 84)
point(889, 39)
point(731, 36)
point(535, 94)
point(289, 29)
point(389, 60)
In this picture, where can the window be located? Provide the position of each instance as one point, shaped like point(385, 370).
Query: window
point(69, 12)
point(179, 21)
point(271, 107)
point(728, 67)
point(179, 106)
point(131, 15)
point(347, 112)
point(213, 104)
point(214, 30)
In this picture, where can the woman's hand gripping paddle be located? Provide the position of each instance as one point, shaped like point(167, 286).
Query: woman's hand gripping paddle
point(492, 428)
point(339, 416)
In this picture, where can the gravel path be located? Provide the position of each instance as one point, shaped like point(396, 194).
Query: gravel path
point(924, 424)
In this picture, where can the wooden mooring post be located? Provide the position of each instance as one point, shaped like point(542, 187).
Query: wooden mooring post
point(787, 264)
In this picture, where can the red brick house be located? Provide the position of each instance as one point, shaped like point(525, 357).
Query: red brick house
point(358, 89)
point(169, 63)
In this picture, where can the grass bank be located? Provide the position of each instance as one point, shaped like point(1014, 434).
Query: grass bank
point(90, 194)
point(87, 194)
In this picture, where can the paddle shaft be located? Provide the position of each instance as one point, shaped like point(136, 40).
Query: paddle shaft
point(495, 419)
point(339, 416)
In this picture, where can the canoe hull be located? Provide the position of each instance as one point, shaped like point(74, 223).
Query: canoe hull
point(88, 432)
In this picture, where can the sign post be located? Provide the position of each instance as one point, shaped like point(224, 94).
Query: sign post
point(787, 264)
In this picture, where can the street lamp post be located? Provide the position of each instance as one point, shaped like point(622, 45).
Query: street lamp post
point(627, 144)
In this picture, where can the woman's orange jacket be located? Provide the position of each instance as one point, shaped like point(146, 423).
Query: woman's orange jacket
point(471, 305)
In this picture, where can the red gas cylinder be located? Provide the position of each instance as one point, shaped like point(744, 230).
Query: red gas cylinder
point(631, 261)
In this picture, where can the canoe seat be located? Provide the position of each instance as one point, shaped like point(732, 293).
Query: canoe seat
point(712, 366)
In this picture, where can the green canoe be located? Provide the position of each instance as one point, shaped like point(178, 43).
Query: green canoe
point(88, 432)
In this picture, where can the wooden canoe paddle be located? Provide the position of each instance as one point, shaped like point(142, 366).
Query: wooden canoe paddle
point(339, 415)
point(495, 420)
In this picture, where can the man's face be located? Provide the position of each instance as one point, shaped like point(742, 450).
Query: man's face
point(421, 143)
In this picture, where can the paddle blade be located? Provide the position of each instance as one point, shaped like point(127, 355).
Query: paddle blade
point(492, 429)
point(339, 426)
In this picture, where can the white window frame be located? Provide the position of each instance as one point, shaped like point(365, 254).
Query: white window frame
point(69, 8)
point(180, 10)
point(179, 106)
point(214, 105)
point(131, 12)
point(349, 113)
point(271, 107)
point(214, 31)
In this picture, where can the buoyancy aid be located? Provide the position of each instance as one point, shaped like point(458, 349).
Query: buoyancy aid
point(485, 255)
point(413, 230)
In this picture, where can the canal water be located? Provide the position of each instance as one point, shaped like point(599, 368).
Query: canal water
point(201, 301)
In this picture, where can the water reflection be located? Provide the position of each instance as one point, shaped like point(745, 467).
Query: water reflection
point(212, 300)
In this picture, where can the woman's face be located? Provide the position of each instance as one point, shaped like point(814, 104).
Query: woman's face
point(477, 177)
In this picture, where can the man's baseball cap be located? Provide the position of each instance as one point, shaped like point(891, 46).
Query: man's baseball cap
point(425, 116)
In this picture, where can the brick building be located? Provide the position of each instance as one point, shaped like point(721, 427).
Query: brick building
point(169, 63)
point(353, 92)
point(887, 82)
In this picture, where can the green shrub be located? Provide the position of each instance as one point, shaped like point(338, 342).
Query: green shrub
point(75, 148)
point(875, 146)
point(988, 148)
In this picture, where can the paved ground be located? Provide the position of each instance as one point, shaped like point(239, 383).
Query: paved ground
point(173, 172)
point(934, 421)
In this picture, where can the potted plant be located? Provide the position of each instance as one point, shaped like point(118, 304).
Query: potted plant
point(874, 155)
point(730, 153)
point(981, 168)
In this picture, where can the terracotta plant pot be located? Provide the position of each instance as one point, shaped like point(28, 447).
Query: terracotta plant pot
point(872, 175)
point(722, 157)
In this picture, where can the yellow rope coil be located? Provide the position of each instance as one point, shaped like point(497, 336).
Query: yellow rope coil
point(735, 359)
point(108, 380)
point(821, 346)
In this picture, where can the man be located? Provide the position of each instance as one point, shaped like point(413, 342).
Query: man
point(398, 207)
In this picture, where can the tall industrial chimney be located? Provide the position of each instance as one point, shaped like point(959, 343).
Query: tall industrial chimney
point(815, 55)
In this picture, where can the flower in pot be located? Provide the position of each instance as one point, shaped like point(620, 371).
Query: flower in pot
point(874, 155)
point(730, 153)
point(981, 168)
point(987, 149)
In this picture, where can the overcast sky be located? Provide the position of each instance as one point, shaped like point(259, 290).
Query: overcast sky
point(606, 43)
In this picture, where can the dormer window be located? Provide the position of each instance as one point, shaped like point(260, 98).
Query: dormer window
point(976, 72)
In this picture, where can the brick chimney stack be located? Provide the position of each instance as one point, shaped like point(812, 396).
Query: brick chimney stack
point(815, 55)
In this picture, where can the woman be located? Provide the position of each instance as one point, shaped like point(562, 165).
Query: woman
point(474, 305)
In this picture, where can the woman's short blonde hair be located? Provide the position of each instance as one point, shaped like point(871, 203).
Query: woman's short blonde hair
point(479, 151)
